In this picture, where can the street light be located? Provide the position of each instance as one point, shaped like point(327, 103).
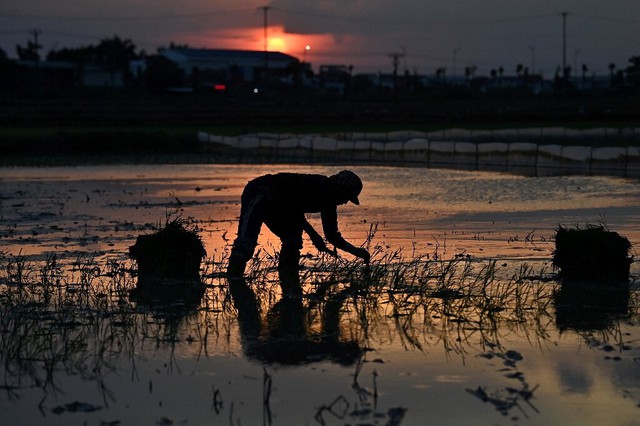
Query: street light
point(304, 54)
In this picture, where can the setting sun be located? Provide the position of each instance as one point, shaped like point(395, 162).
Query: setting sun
point(277, 44)
point(307, 47)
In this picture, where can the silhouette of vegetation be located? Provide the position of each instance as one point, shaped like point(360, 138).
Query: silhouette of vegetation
point(162, 73)
point(113, 54)
point(74, 316)
point(593, 254)
point(172, 253)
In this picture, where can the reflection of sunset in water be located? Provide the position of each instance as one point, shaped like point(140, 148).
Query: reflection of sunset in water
point(479, 342)
point(482, 214)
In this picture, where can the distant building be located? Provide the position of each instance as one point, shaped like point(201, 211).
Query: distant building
point(532, 83)
point(222, 65)
point(334, 79)
point(100, 77)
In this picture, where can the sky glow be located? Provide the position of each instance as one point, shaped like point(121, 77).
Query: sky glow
point(363, 33)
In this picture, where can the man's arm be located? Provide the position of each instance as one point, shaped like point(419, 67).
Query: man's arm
point(330, 228)
point(316, 239)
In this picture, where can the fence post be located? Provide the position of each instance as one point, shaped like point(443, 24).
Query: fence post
point(626, 163)
point(477, 156)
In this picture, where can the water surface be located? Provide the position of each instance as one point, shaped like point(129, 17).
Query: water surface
point(338, 356)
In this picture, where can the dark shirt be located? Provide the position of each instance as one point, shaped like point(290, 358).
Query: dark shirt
point(296, 194)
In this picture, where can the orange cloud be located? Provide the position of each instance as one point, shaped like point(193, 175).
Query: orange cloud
point(253, 39)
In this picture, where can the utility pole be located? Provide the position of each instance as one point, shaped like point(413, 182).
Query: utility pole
point(395, 60)
point(36, 45)
point(564, 42)
point(265, 10)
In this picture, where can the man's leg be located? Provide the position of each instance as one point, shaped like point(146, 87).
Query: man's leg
point(251, 217)
point(289, 230)
point(289, 265)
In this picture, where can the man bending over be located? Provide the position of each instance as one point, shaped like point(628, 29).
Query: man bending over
point(280, 201)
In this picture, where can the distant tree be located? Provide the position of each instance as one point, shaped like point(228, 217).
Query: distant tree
point(470, 71)
point(162, 73)
point(10, 75)
point(30, 52)
point(494, 73)
point(78, 56)
point(112, 53)
point(633, 71)
point(115, 54)
point(612, 74)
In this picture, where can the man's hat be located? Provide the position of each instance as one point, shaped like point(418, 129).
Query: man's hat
point(351, 183)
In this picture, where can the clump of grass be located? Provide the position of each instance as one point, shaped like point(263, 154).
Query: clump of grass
point(592, 255)
point(175, 251)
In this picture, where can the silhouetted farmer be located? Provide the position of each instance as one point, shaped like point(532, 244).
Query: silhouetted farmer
point(280, 201)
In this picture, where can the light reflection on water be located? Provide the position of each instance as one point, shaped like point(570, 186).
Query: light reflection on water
point(428, 356)
point(484, 214)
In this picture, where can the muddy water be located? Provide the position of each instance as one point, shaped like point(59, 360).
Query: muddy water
point(203, 367)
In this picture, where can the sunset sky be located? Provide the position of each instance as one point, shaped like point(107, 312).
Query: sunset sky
point(363, 33)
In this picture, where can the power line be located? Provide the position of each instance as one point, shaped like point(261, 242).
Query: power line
point(607, 19)
point(416, 20)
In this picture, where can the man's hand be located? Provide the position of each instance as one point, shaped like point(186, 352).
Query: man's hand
point(362, 254)
point(317, 240)
point(322, 247)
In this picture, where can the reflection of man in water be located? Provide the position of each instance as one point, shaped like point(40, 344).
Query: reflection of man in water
point(281, 201)
point(285, 336)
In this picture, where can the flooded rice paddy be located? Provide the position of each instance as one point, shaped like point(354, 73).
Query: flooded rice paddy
point(457, 320)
